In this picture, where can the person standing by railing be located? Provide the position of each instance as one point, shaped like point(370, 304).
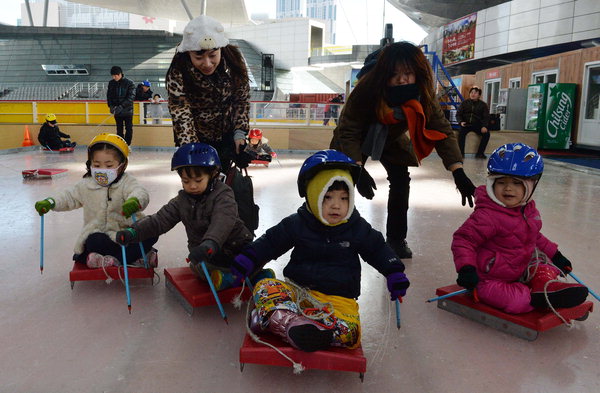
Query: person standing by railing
point(120, 95)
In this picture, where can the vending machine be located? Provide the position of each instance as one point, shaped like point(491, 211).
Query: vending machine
point(550, 110)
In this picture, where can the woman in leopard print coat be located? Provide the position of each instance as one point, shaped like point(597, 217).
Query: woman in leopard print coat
point(209, 90)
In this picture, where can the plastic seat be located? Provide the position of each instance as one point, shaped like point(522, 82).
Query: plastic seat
point(193, 293)
point(526, 326)
point(339, 359)
point(81, 272)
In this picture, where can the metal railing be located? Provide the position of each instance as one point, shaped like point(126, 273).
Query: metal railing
point(92, 112)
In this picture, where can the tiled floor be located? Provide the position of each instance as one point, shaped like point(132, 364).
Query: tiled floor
point(57, 340)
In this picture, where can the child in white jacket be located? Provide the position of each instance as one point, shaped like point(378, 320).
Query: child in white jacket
point(109, 198)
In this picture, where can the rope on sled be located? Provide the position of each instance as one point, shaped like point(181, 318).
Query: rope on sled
point(319, 311)
point(569, 324)
point(298, 367)
point(109, 279)
point(237, 299)
point(536, 260)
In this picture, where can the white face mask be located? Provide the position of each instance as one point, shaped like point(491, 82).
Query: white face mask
point(105, 176)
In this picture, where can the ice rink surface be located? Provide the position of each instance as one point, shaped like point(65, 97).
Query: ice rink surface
point(55, 339)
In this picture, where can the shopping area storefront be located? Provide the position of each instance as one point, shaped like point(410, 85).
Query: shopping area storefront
point(523, 93)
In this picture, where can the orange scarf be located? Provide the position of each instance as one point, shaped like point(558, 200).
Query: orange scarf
point(422, 139)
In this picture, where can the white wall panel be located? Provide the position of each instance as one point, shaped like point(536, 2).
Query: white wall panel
point(556, 28)
point(586, 35)
point(524, 19)
point(548, 3)
point(497, 25)
point(522, 46)
point(557, 39)
point(583, 7)
point(557, 12)
point(522, 34)
point(586, 22)
point(518, 6)
point(495, 40)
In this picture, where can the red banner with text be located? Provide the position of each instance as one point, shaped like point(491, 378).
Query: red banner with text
point(459, 39)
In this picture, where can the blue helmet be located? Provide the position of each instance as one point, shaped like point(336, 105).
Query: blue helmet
point(325, 159)
point(516, 159)
point(195, 154)
point(146, 83)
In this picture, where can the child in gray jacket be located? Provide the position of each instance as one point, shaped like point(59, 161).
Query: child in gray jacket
point(206, 207)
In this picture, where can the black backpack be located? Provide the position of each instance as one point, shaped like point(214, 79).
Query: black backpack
point(243, 190)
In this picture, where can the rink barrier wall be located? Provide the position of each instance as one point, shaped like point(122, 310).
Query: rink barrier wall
point(280, 137)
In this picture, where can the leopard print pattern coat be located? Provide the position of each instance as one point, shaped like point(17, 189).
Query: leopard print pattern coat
point(209, 108)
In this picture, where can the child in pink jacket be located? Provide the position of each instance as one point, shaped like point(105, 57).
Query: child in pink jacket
point(500, 251)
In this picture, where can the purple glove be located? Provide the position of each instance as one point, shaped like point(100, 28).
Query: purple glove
point(243, 264)
point(397, 284)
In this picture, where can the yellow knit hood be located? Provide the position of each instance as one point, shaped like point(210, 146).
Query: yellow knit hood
point(317, 188)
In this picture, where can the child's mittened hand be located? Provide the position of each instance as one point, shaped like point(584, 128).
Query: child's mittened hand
point(130, 206)
point(561, 262)
point(44, 206)
point(397, 284)
point(126, 236)
point(204, 252)
point(242, 266)
point(273, 154)
point(467, 277)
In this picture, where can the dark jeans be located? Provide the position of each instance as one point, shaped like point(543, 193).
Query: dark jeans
point(462, 136)
point(102, 244)
point(397, 207)
point(128, 122)
point(225, 149)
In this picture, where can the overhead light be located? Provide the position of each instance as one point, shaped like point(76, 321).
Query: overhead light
point(502, 61)
point(590, 43)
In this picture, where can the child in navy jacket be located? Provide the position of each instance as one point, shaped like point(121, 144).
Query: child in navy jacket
point(316, 306)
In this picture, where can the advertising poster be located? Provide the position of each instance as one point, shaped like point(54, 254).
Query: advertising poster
point(459, 39)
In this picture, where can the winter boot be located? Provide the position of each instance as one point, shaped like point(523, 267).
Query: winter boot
point(254, 322)
point(109, 260)
point(151, 257)
point(94, 260)
point(400, 248)
point(222, 280)
point(261, 275)
point(299, 331)
point(560, 294)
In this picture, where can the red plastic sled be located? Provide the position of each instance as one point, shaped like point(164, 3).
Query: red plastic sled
point(260, 162)
point(526, 326)
point(42, 173)
point(61, 150)
point(81, 272)
point(193, 293)
point(339, 359)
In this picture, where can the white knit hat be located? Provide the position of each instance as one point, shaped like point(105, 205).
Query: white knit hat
point(202, 33)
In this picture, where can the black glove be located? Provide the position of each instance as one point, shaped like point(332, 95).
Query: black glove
point(126, 236)
point(467, 277)
point(115, 110)
point(67, 136)
point(242, 159)
point(204, 252)
point(464, 185)
point(561, 262)
point(365, 184)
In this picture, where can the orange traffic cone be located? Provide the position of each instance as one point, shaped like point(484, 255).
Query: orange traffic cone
point(27, 138)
